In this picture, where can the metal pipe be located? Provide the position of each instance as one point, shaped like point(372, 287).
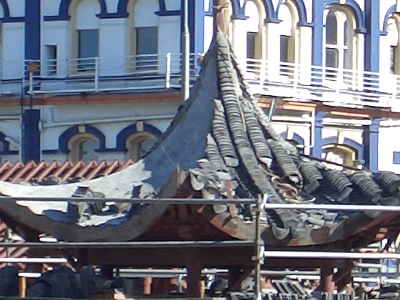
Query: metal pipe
point(338, 207)
point(259, 244)
point(131, 200)
point(185, 52)
point(334, 207)
point(168, 70)
point(329, 255)
point(137, 245)
point(26, 260)
point(96, 74)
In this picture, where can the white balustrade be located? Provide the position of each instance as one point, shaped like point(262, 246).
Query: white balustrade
point(341, 87)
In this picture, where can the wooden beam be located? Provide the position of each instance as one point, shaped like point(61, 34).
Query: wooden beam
point(307, 107)
point(99, 99)
point(218, 15)
point(364, 112)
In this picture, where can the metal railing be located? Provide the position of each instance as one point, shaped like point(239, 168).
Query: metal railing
point(330, 85)
point(155, 71)
point(93, 75)
point(262, 203)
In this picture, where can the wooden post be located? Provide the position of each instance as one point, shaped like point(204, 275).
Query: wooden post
point(193, 267)
point(327, 284)
point(218, 15)
point(147, 281)
point(258, 249)
point(22, 287)
point(343, 278)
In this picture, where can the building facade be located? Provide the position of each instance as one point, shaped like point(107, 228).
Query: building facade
point(101, 79)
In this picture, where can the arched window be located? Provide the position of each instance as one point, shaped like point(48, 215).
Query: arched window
point(139, 144)
point(144, 33)
point(85, 34)
point(339, 154)
point(393, 41)
point(338, 43)
point(253, 32)
point(289, 18)
point(83, 147)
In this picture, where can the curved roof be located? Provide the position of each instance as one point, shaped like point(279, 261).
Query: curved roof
point(226, 148)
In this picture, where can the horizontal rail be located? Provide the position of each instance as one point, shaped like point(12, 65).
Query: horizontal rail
point(339, 207)
point(136, 245)
point(342, 207)
point(289, 80)
point(36, 260)
point(283, 273)
point(131, 200)
point(329, 255)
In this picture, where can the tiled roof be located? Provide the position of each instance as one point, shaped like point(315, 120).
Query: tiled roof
point(58, 172)
point(225, 145)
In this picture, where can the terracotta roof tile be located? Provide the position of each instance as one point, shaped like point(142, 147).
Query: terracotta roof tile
point(37, 172)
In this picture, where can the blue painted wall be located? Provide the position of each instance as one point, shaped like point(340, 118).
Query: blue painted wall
point(31, 135)
point(32, 29)
point(371, 57)
point(370, 141)
point(316, 151)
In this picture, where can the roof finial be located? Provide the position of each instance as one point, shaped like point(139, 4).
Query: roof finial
point(218, 13)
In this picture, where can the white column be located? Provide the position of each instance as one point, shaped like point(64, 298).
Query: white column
point(239, 40)
point(13, 50)
point(57, 33)
point(272, 54)
point(386, 82)
point(112, 47)
point(208, 30)
point(304, 54)
point(169, 37)
point(359, 78)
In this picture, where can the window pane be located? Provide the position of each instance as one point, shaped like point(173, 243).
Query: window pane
point(331, 29)
point(88, 44)
point(87, 150)
point(332, 58)
point(346, 31)
point(144, 147)
point(139, 146)
point(251, 42)
point(51, 59)
point(392, 59)
point(284, 48)
point(331, 61)
point(146, 40)
point(146, 43)
point(347, 60)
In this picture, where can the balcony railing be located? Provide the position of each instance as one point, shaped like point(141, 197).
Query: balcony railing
point(146, 72)
point(329, 85)
point(93, 75)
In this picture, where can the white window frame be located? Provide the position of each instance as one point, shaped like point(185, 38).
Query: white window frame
point(83, 17)
point(292, 56)
point(132, 144)
point(74, 146)
point(341, 47)
point(340, 154)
